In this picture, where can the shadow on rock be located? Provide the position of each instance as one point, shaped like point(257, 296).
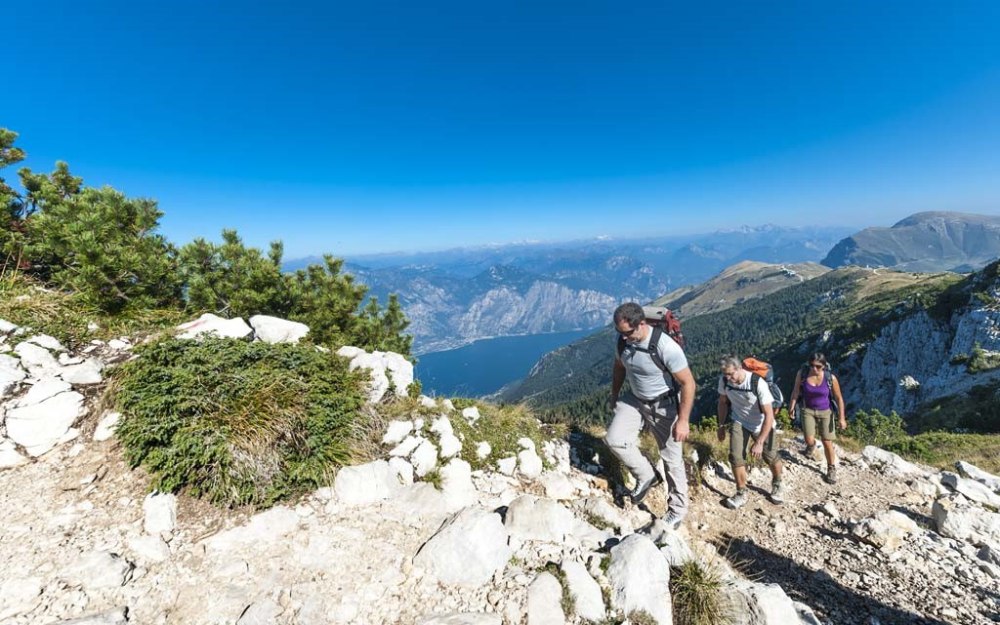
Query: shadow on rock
point(831, 600)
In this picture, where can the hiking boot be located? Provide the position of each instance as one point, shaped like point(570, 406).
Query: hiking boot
point(673, 520)
point(642, 489)
point(736, 501)
point(810, 451)
point(778, 492)
point(831, 475)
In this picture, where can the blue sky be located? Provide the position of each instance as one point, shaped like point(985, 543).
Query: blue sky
point(353, 127)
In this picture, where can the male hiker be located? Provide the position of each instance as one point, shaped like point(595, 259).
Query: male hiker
point(661, 393)
point(745, 399)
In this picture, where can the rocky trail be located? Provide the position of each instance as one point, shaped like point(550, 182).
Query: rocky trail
point(539, 540)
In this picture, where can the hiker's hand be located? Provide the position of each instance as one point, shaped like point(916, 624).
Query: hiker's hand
point(843, 423)
point(758, 449)
point(681, 431)
point(721, 433)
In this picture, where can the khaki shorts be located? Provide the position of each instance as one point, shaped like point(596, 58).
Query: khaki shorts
point(739, 445)
point(819, 421)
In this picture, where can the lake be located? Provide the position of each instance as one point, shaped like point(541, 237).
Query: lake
point(485, 366)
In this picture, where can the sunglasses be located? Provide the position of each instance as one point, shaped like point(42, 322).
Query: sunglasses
point(629, 333)
point(815, 366)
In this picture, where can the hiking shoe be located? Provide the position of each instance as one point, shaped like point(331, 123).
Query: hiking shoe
point(831, 475)
point(778, 492)
point(642, 489)
point(736, 501)
point(673, 520)
point(810, 451)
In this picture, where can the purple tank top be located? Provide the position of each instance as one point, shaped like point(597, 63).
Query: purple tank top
point(815, 397)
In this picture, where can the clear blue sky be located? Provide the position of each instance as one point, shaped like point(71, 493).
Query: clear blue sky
point(351, 127)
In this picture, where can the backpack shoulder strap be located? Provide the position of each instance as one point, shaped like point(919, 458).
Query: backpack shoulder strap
point(754, 382)
point(621, 345)
point(654, 348)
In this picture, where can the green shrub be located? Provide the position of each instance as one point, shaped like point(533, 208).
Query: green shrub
point(875, 428)
point(501, 427)
point(238, 422)
point(783, 419)
point(982, 360)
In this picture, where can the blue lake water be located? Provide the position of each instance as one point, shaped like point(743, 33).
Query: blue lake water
point(486, 366)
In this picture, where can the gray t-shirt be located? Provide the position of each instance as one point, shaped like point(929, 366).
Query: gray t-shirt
point(743, 406)
point(646, 380)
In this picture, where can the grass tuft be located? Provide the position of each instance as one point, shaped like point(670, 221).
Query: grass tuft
point(697, 594)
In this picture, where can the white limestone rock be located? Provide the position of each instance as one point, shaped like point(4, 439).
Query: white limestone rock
point(148, 549)
point(277, 330)
point(209, 324)
point(47, 387)
point(9, 456)
point(119, 344)
point(6, 327)
point(957, 518)
point(40, 427)
point(424, 458)
point(263, 529)
point(639, 577)
point(471, 414)
point(765, 603)
point(529, 464)
point(50, 343)
point(261, 612)
point(557, 485)
point(533, 518)
point(421, 500)
point(975, 473)
point(526, 443)
point(468, 549)
point(427, 402)
point(115, 616)
point(365, 483)
point(887, 530)
point(544, 599)
point(378, 384)
point(19, 595)
point(98, 570)
point(588, 602)
point(461, 618)
point(603, 510)
point(507, 466)
point(159, 513)
point(889, 462)
point(976, 491)
point(402, 469)
point(11, 374)
point(106, 426)
point(400, 371)
point(447, 405)
point(556, 453)
point(406, 446)
point(456, 484)
point(36, 359)
point(483, 450)
point(396, 432)
point(450, 445)
point(349, 352)
point(442, 426)
point(87, 372)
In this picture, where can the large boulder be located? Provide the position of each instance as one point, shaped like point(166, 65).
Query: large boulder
point(209, 324)
point(889, 463)
point(387, 370)
point(40, 427)
point(277, 330)
point(975, 473)
point(468, 549)
point(639, 577)
point(761, 604)
point(159, 513)
point(535, 518)
point(972, 489)
point(956, 517)
point(544, 600)
point(366, 483)
point(588, 602)
point(887, 530)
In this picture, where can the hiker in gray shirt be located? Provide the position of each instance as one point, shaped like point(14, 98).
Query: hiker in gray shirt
point(660, 398)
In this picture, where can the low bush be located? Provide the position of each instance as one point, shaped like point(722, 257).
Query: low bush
point(875, 428)
point(238, 422)
point(696, 589)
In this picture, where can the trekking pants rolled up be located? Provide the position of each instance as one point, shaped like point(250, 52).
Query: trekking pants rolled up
point(631, 415)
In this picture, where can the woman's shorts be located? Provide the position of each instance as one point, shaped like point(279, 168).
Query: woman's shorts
point(819, 422)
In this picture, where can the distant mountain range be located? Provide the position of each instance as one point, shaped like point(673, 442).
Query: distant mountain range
point(932, 241)
point(455, 297)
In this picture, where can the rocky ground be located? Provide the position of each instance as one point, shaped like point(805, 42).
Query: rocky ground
point(82, 540)
point(819, 547)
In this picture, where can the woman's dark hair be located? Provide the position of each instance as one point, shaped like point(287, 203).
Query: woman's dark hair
point(817, 357)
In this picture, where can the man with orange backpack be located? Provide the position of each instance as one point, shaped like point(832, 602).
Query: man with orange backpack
point(746, 401)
